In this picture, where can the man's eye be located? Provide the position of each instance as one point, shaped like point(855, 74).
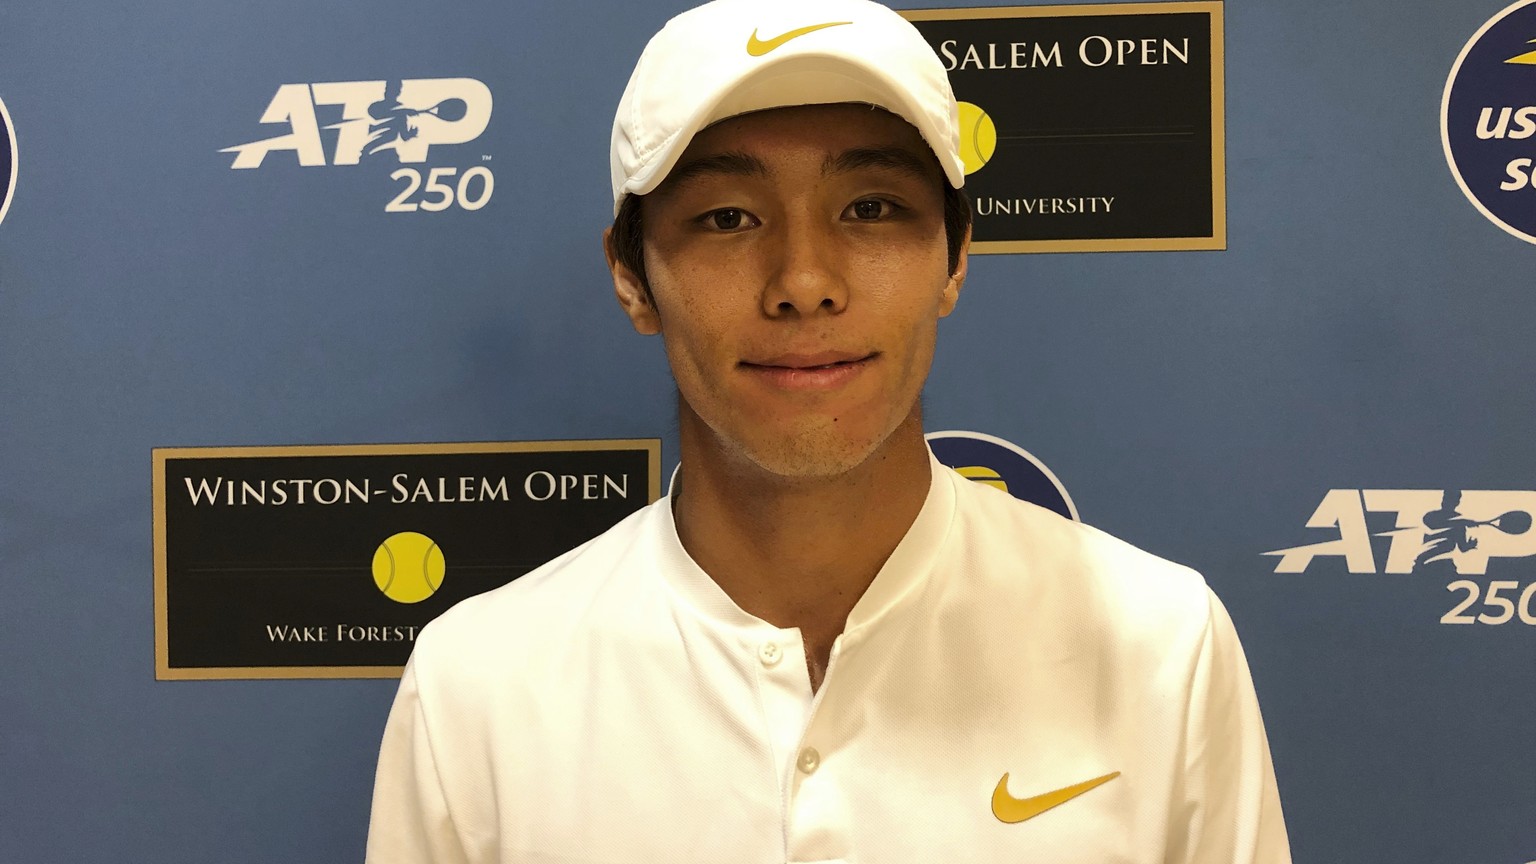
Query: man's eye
point(728, 219)
point(870, 208)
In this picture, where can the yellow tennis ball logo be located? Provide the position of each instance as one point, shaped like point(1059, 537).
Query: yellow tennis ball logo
point(978, 137)
point(408, 567)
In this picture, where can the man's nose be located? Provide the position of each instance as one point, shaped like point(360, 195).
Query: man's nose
point(808, 275)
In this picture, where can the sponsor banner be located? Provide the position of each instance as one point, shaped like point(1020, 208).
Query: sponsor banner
point(406, 124)
point(325, 562)
point(1004, 465)
point(7, 160)
point(1094, 128)
point(1488, 120)
point(1472, 537)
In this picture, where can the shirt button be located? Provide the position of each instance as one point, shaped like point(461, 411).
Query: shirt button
point(809, 760)
point(770, 654)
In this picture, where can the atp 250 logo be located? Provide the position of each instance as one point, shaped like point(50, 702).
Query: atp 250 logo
point(397, 122)
point(1430, 531)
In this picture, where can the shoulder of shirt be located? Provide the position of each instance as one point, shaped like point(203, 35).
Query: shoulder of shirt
point(1036, 552)
point(526, 611)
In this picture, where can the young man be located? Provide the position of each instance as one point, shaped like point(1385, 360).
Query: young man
point(822, 645)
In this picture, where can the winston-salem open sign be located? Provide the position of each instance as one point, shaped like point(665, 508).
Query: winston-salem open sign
point(1089, 128)
point(325, 562)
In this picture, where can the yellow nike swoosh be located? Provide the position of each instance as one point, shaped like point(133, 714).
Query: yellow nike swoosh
point(1010, 809)
point(757, 48)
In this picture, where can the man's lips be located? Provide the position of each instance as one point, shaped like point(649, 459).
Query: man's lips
point(808, 361)
point(821, 370)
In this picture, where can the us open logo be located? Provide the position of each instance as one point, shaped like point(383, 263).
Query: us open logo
point(990, 460)
point(7, 160)
point(1488, 120)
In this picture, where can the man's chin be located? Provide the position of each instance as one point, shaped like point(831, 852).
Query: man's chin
point(822, 454)
point(809, 447)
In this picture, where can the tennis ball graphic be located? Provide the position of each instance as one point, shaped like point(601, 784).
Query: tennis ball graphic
point(408, 567)
point(978, 137)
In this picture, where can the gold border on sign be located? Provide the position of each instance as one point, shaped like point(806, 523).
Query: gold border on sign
point(1215, 9)
point(159, 455)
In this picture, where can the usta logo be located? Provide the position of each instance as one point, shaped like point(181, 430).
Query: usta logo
point(1467, 528)
point(405, 116)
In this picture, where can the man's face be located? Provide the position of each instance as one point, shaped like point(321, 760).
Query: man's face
point(798, 265)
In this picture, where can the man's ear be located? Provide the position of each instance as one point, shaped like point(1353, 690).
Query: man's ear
point(957, 278)
point(631, 291)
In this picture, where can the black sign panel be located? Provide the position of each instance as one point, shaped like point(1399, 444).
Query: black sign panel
point(1089, 128)
point(324, 562)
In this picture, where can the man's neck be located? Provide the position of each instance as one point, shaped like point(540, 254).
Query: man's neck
point(798, 552)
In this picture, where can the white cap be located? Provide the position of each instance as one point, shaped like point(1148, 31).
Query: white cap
point(731, 57)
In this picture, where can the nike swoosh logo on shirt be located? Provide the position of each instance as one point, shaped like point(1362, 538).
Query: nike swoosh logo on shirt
point(757, 48)
point(1010, 809)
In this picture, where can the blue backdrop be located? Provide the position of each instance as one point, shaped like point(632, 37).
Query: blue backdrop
point(1367, 329)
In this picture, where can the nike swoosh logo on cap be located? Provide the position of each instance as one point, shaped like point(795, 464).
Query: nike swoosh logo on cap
point(1010, 809)
point(757, 47)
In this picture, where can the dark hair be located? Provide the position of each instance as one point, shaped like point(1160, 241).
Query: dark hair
point(629, 231)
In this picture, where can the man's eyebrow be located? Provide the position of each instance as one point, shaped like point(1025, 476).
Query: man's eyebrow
point(732, 163)
point(894, 158)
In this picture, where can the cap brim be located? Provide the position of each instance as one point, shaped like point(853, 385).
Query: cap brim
point(797, 79)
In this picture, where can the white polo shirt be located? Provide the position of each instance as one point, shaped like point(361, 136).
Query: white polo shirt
point(616, 706)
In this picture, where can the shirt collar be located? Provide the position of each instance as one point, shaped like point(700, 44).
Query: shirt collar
point(909, 565)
